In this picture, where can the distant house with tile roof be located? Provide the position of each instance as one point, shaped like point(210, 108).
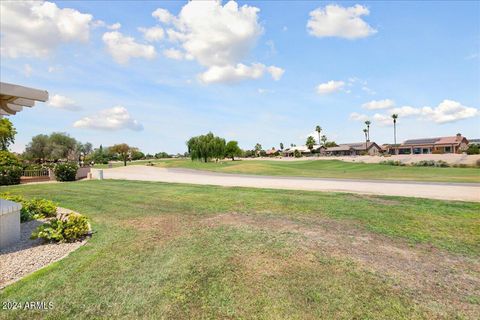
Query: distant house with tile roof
point(354, 149)
point(452, 144)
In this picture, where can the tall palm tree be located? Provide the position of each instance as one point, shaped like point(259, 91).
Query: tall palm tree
point(366, 138)
point(318, 129)
point(368, 123)
point(395, 117)
point(281, 146)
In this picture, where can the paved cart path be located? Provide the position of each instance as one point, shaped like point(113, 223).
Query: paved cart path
point(432, 190)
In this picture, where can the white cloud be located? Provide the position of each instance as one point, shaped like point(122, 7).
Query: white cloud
point(264, 91)
point(218, 37)
point(358, 117)
point(114, 26)
point(382, 119)
point(27, 70)
point(378, 104)
point(36, 28)
point(153, 34)
point(62, 102)
point(239, 72)
point(173, 53)
point(276, 72)
point(115, 118)
point(368, 90)
point(122, 47)
point(448, 111)
point(330, 87)
point(405, 111)
point(337, 21)
point(163, 16)
point(54, 69)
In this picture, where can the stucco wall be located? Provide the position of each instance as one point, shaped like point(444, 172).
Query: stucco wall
point(9, 222)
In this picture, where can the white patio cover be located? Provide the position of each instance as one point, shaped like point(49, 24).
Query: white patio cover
point(14, 97)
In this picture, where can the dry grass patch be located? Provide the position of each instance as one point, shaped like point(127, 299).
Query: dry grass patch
point(437, 280)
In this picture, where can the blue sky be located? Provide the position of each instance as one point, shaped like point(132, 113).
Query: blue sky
point(268, 75)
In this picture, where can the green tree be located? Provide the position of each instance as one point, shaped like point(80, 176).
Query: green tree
point(232, 150)
point(324, 140)
point(206, 147)
point(61, 146)
point(37, 149)
point(330, 144)
point(310, 142)
point(136, 154)
point(281, 146)
point(122, 151)
point(258, 149)
point(318, 129)
point(7, 134)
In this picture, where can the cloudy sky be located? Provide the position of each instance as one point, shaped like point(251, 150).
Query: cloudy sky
point(152, 74)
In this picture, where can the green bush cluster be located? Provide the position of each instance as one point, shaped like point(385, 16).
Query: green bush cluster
point(431, 163)
point(66, 171)
point(393, 163)
point(10, 175)
point(34, 208)
point(74, 227)
point(473, 149)
point(10, 168)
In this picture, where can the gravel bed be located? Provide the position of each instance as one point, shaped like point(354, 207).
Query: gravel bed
point(27, 255)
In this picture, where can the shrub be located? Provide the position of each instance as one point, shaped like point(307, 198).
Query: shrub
point(10, 175)
point(32, 209)
point(442, 164)
point(73, 227)
point(9, 159)
point(66, 171)
point(41, 208)
point(392, 163)
point(431, 163)
point(297, 154)
point(473, 149)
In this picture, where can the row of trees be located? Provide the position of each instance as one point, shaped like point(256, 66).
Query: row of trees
point(60, 146)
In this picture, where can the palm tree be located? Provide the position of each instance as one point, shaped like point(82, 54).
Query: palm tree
point(318, 129)
point(395, 117)
point(310, 142)
point(324, 140)
point(368, 123)
point(366, 138)
point(281, 146)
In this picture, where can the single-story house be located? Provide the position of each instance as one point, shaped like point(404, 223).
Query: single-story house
point(452, 144)
point(289, 152)
point(354, 149)
point(272, 152)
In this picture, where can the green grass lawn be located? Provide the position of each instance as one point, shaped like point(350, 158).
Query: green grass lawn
point(331, 169)
point(156, 255)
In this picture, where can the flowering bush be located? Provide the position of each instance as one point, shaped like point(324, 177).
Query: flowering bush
point(73, 227)
point(66, 171)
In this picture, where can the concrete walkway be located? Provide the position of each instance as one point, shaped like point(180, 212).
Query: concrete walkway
point(432, 190)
